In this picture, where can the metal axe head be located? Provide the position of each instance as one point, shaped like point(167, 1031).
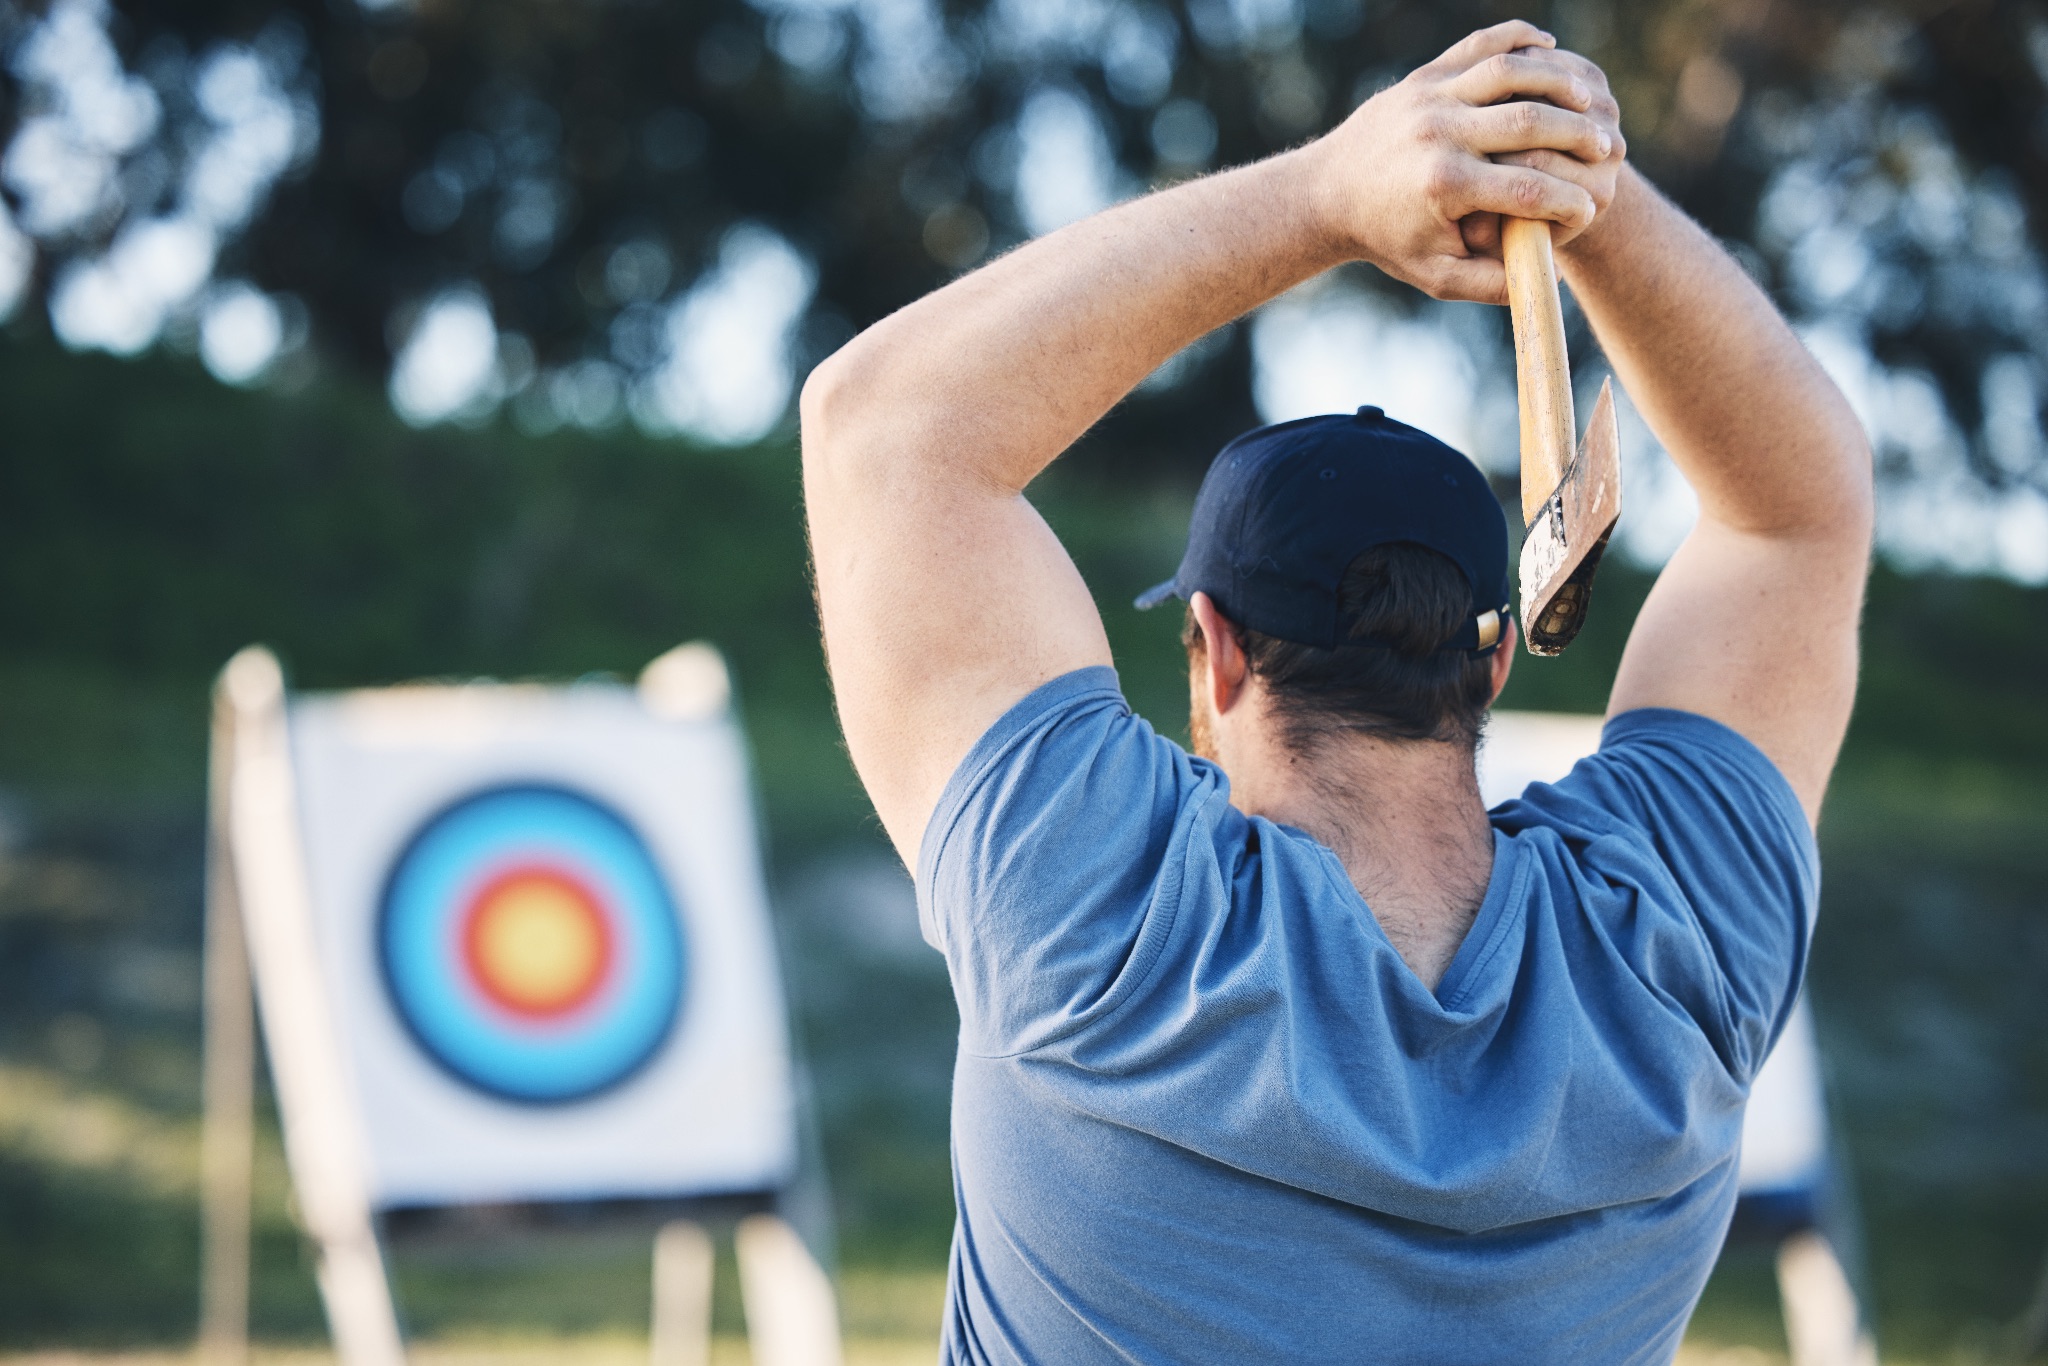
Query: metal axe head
point(1562, 544)
point(1570, 499)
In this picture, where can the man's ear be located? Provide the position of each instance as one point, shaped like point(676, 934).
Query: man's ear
point(1223, 655)
point(1503, 659)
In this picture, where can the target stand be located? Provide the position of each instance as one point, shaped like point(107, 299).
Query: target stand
point(1789, 1194)
point(511, 951)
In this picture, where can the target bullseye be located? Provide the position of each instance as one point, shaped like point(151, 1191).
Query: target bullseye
point(536, 942)
point(531, 944)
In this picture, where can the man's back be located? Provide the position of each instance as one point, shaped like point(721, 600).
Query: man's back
point(1204, 1111)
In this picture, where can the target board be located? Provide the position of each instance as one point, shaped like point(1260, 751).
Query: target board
point(541, 923)
point(1784, 1128)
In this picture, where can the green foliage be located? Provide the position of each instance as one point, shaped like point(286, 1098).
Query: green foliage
point(87, 1260)
point(162, 531)
point(66, 1240)
point(1927, 978)
point(143, 541)
point(1952, 671)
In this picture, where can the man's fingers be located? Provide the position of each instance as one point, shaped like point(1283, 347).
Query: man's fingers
point(1468, 279)
point(1564, 167)
point(1519, 192)
point(1488, 42)
point(1524, 126)
point(1481, 233)
point(1538, 75)
point(1596, 180)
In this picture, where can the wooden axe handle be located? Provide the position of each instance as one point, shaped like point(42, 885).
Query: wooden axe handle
point(1543, 372)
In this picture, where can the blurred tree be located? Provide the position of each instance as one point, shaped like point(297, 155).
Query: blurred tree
point(559, 181)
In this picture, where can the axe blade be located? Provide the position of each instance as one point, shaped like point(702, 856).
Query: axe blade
point(1563, 543)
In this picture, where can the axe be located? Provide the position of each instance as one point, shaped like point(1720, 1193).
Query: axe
point(1570, 500)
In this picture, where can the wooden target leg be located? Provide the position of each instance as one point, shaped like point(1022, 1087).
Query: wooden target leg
point(357, 1293)
point(227, 1144)
point(792, 1314)
point(1822, 1320)
point(323, 1136)
point(681, 1334)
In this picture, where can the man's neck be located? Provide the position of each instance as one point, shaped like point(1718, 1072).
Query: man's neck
point(1406, 820)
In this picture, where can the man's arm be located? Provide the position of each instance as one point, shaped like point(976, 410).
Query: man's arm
point(1753, 622)
point(945, 599)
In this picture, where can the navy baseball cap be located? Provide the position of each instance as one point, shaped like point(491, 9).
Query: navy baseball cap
point(1285, 509)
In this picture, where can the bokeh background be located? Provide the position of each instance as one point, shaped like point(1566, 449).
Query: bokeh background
point(449, 339)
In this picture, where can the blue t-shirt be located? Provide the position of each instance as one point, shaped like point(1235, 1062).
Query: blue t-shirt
point(1204, 1112)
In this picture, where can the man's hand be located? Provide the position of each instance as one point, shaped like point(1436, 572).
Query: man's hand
point(1421, 173)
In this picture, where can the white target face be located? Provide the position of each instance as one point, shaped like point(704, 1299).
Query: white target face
point(543, 923)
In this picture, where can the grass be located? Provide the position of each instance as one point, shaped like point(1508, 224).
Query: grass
point(600, 1350)
point(726, 1351)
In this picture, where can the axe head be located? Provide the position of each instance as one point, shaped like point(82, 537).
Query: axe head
point(1562, 545)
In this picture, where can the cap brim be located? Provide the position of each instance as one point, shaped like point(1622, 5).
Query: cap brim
point(1155, 595)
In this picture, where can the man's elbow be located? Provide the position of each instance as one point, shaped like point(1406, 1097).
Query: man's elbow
point(1829, 503)
point(836, 417)
point(1854, 516)
point(822, 406)
point(1845, 505)
point(1832, 497)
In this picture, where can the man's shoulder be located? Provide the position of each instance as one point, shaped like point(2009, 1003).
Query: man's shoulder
point(1057, 859)
point(1074, 739)
point(1656, 765)
point(1679, 821)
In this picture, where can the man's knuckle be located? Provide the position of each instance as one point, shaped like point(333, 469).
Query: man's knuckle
point(1527, 191)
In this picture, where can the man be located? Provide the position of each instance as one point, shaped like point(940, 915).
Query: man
point(1290, 1051)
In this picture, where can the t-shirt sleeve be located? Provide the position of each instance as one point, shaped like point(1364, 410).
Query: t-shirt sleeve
point(1731, 834)
point(1047, 874)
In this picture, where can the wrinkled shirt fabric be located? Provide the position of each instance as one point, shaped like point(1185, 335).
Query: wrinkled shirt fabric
point(1203, 1111)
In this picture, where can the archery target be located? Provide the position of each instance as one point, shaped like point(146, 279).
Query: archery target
point(530, 945)
point(541, 919)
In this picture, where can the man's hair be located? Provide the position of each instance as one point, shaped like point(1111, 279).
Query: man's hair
point(1408, 601)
